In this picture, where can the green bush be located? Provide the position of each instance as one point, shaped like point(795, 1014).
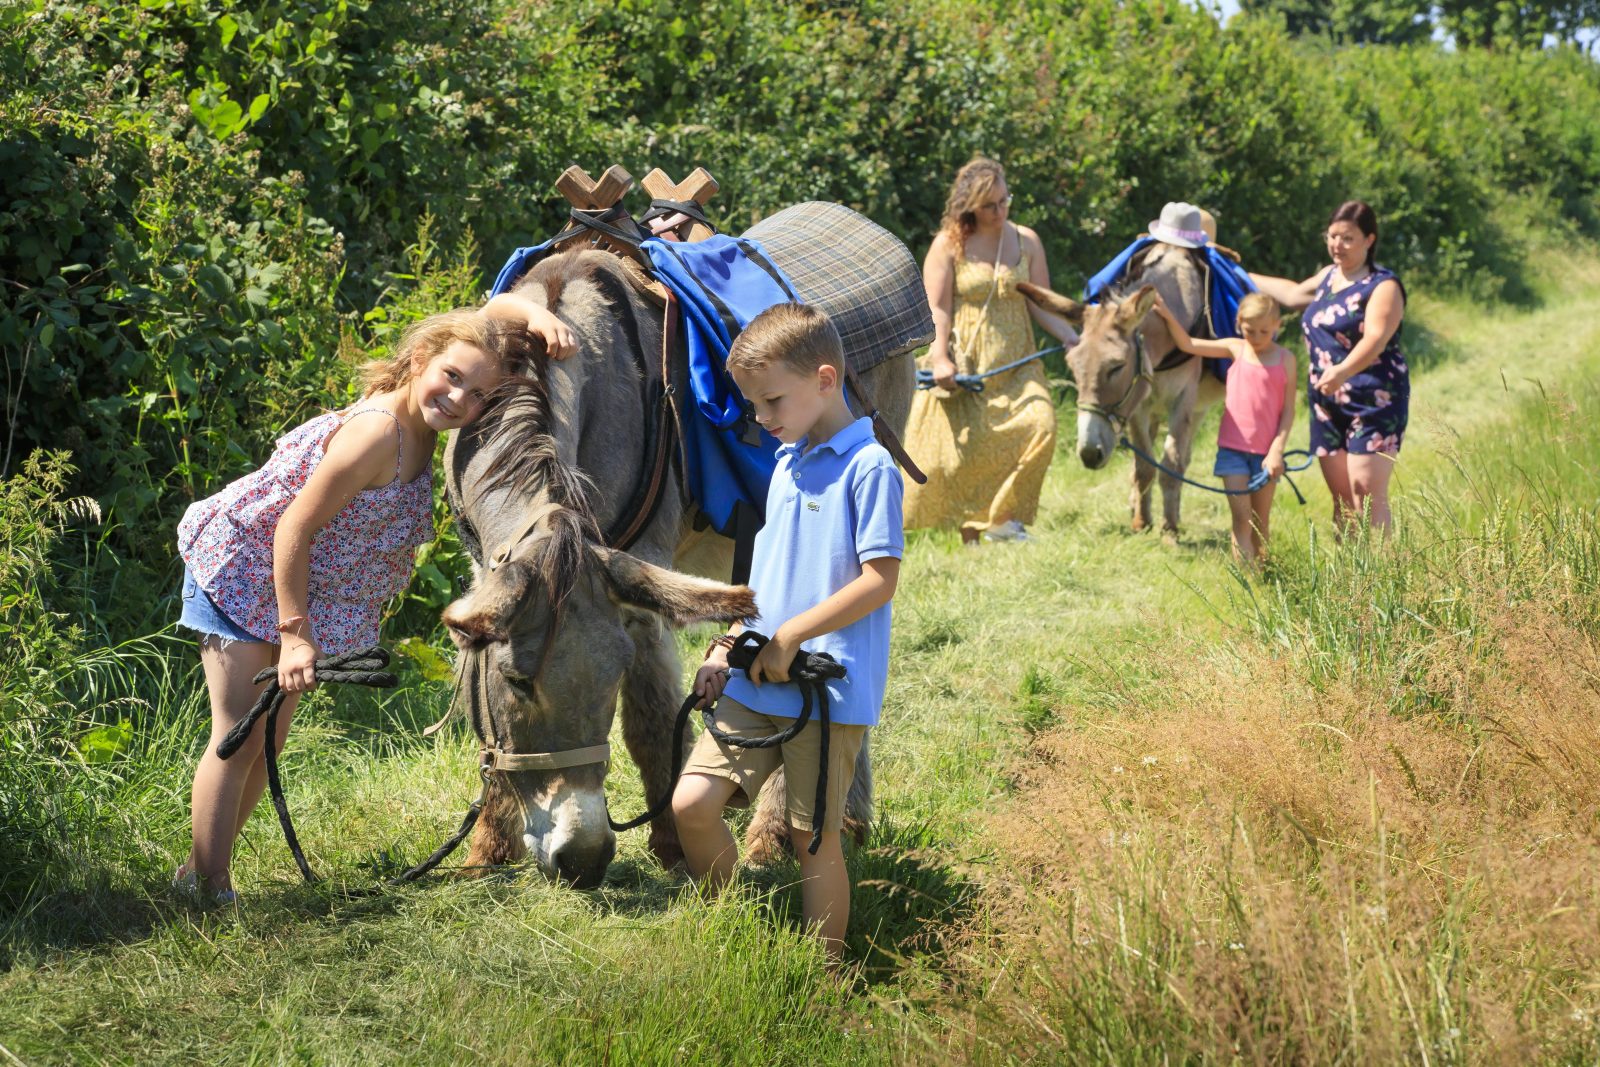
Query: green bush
point(200, 200)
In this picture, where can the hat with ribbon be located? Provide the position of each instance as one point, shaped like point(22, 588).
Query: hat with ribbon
point(1179, 224)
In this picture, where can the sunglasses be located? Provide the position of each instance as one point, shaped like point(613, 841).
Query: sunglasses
point(995, 205)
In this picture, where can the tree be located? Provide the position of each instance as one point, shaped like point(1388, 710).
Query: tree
point(1502, 24)
point(1351, 21)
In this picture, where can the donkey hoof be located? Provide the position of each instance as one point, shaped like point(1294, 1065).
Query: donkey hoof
point(666, 849)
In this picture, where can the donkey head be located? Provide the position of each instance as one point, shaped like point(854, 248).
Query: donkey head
point(545, 640)
point(554, 619)
point(1106, 363)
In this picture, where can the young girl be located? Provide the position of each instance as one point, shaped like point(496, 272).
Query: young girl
point(294, 561)
point(1256, 415)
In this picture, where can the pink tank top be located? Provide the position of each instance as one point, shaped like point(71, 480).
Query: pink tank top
point(1253, 406)
point(359, 560)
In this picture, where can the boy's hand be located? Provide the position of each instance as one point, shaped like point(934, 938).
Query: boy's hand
point(772, 662)
point(712, 676)
point(297, 664)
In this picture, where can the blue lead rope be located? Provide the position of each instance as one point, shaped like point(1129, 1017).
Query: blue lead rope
point(973, 383)
point(1257, 480)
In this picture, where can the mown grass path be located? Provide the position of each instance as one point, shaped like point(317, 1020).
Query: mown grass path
point(988, 645)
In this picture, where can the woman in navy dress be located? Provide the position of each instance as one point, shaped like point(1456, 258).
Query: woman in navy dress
point(1360, 387)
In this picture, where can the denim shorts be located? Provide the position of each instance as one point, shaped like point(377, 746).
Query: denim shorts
point(201, 614)
point(1233, 461)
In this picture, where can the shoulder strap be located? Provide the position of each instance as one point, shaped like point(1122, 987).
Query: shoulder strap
point(400, 448)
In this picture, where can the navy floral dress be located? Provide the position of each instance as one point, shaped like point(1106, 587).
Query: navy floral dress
point(1368, 414)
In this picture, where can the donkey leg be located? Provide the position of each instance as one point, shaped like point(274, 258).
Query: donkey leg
point(497, 839)
point(1176, 453)
point(649, 702)
point(1144, 475)
point(767, 840)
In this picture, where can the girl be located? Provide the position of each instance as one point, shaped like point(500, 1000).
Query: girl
point(295, 561)
point(1256, 415)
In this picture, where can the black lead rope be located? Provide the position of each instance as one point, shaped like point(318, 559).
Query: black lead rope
point(810, 671)
point(352, 668)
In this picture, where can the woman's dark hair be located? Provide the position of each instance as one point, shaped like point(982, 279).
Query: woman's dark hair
point(1365, 219)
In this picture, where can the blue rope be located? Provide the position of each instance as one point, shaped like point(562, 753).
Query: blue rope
point(1257, 480)
point(973, 383)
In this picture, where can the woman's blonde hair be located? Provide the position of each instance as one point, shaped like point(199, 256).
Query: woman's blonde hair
point(1259, 307)
point(423, 341)
point(974, 182)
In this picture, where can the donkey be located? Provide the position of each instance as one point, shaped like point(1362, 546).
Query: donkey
point(1127, 368)
point(556, 625)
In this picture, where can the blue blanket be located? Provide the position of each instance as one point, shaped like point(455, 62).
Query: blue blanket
point(1229, 284)
point(720, 284)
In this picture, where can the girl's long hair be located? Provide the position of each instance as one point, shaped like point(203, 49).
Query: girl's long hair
point(423, 341)
point(974, 182)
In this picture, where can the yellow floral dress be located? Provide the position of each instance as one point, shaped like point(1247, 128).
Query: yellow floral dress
point(985, 454)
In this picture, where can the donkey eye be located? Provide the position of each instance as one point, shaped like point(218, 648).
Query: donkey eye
point(517, 680)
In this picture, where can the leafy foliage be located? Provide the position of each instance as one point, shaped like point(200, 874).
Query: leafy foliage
point(202, 200)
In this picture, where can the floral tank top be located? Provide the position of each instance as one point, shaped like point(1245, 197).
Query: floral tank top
point(359, 560)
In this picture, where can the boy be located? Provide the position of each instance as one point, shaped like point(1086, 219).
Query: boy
point(825, 568)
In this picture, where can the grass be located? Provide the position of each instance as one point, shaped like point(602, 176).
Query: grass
point(1402, 880)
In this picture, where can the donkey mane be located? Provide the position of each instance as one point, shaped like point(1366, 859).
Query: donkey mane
point(520, 432)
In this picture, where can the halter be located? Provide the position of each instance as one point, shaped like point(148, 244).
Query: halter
point(492, 757)
point(1139, 385)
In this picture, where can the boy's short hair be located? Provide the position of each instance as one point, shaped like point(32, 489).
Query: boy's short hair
point(798, 336)
point(1259, 307)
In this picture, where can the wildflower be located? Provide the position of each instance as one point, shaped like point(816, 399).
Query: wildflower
point(1149, 761)
point(1117, 769)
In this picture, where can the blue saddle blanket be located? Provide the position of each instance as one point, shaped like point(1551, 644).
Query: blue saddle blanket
point(1229, 284)
point(720, 284)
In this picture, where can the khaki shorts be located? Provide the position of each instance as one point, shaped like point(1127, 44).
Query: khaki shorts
point(750, 767)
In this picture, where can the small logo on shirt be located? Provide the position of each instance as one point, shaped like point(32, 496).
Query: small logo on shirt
point(812, 505)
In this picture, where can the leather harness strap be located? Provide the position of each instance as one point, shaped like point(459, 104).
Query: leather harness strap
point(880, 429)
point(500, 760)
point(643, 507)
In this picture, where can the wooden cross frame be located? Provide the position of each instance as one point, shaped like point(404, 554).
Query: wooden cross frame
point(586, 194)
point(699, 187)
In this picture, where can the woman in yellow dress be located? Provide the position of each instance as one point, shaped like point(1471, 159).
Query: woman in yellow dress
point(985, 453)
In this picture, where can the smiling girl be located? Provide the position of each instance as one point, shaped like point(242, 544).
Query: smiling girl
point(295, 560)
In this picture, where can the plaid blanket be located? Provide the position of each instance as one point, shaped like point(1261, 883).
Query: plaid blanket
point(862, 275)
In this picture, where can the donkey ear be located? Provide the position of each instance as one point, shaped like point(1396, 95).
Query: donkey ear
point(1135, 308)
point(486, 611)
point(1064, 306)
point(680, 598)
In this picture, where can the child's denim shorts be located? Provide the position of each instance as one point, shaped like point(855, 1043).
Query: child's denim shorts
point(1233, 461)
point(201, 614)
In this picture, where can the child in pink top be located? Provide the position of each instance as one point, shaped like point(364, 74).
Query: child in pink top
point(294, 561)
point(1256, 415)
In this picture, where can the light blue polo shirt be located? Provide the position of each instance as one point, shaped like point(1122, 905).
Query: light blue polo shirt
point(829, 510)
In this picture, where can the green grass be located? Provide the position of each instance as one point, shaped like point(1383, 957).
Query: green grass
point(992, 647)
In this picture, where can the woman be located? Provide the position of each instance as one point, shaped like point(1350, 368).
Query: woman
point(1360, 386)
point(985, 453)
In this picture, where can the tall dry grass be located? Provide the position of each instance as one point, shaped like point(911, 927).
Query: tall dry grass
point(1366, 829)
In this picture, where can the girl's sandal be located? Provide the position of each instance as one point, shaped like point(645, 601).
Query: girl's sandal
point(186, 884)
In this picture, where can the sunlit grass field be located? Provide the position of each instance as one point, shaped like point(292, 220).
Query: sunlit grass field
point(1134, 807)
